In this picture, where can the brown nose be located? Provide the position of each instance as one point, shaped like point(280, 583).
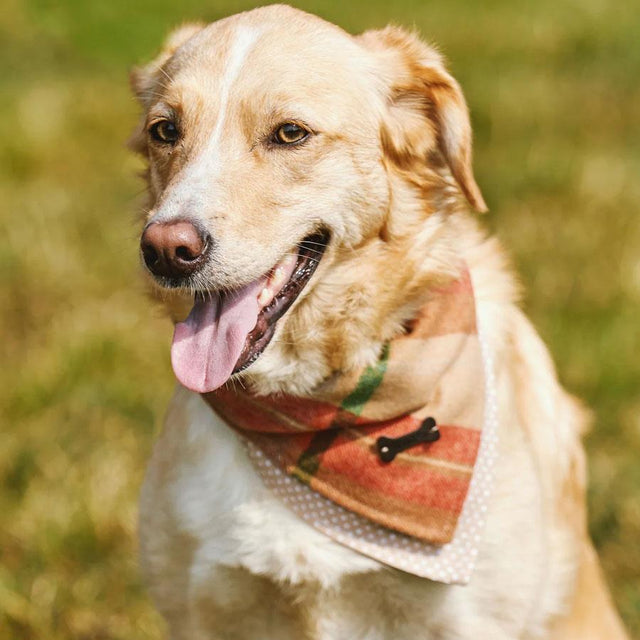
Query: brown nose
point(173, 249)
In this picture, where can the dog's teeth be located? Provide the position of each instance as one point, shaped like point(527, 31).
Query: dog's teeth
point(279, 276)
point(265, 297)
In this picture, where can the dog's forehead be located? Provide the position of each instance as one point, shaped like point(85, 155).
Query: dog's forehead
point(254, 57)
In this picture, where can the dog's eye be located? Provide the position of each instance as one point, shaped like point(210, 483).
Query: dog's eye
point(289, 133)
point(164, 131)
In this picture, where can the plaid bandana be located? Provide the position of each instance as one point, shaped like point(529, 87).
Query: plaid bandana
point(330, 442)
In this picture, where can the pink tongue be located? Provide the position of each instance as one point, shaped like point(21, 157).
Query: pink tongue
point(207, 345)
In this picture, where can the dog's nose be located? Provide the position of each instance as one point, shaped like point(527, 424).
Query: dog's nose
point(173, 249)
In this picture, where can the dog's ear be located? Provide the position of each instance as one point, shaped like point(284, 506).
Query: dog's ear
point(426, 108)
point(144, 80)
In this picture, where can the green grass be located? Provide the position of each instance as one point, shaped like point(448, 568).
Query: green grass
point(85, 376)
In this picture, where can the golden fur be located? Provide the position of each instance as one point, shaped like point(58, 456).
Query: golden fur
point(388, 171)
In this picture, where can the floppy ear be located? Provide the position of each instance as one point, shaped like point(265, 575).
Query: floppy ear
point(145, 80)
point(426, 109)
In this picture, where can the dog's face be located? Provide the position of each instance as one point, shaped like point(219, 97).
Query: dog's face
point(274, 141)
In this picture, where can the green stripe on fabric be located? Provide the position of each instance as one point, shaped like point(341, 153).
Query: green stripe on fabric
point(369, 381)
point(309, 461)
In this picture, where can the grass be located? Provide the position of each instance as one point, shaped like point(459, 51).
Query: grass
point(85, 374)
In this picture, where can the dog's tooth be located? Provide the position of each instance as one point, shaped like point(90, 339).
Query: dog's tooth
point(277, 279)
point(279, 276)
point(265, 297)
point(280, 273)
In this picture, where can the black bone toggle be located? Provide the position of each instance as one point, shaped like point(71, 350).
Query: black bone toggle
point(389, 448)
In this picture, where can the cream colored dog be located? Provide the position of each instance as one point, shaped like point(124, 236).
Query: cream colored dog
point(275, 139)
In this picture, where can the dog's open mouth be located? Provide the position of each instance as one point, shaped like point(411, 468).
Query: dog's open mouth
point(227, 331)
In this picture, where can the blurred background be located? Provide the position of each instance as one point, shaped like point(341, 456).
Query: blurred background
point(85, 377)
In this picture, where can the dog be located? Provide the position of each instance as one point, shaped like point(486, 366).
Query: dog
point(309, 192)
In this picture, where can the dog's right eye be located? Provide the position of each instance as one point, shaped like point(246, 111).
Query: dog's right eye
point(164, 131)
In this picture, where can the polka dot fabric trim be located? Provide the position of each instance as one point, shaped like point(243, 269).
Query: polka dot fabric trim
point(451, 563)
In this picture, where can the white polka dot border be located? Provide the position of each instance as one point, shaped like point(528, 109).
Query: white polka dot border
point(451, 563)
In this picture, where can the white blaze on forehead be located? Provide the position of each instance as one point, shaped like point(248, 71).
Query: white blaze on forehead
point(244, 40)
point(203, 168)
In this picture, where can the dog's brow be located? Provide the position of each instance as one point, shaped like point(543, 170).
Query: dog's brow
point(244, 40)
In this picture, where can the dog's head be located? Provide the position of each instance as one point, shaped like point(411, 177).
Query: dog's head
point(293, 171)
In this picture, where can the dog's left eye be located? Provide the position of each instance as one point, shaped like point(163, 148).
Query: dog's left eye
point(289, 133)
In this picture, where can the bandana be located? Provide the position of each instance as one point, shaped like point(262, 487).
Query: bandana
point(361, 459)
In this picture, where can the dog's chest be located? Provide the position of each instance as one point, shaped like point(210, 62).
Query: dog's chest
point(209, 529)
point(214, 495)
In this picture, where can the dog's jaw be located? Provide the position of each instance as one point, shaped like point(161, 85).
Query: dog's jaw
point(227, 331)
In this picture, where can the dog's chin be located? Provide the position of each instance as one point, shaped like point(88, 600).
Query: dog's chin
point(227, 331)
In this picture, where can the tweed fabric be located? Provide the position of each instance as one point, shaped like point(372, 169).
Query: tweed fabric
point(327, 441)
